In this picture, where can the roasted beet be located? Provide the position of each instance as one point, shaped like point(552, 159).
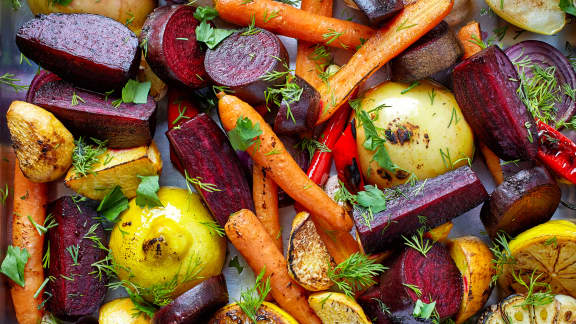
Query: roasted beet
point(378, 11)
point(91, 51)
point(485, 86)
point(526, 199)
point(76, 290)
point(39, 79)
point(436, 51)
point(434, 274)
point(242, 61)
point(196, 305)
point(206, 154)
point(438, 199)
point(169, 35)
point(129, 125)
point(300, 115)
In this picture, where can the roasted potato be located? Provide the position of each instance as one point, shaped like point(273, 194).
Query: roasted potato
point(334, 307)
point(116, 167)
point(308, 258)
point(267, 313)
point(158, 88)
point(121, 310)
point(42, 144)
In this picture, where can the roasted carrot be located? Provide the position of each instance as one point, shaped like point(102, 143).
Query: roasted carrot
point(271, 154)
point(340, 244)
point(307, 66)
point(30, 200)
point(252, 240)
point(265, 194)
point(468, 37)
point(283, 19)
point(392, 39)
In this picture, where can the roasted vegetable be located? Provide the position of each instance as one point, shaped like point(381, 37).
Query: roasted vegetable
point(171, 48)
point(337, 308)
point(377, 11)
point(180, 109)
point(522, 201)
point(414, 275)
point(116, 167)
point(434, 52)
point(121, 310)
point(543, 17)
point(91, 51)
point(158, 89)
point(196, 305)
point(267, 313)
point(169, 249)
point(485, 86)
point(208, 157)
point(42, 144)
point(76, 289)
point(438, 200)
point(95, 115)
point(556, 309)
point(248, 64)
point(308, 259)
point(557, 152)
point(300, 114)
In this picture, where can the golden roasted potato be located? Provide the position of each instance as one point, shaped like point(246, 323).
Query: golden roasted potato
point(158, 88)
point(308, 258)
point(121, 310)
point(334, 307)
point(43, 145)
point(116, 167)
point(267, 313)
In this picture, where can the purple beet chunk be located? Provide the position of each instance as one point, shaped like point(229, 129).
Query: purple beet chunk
point(76, 290)
point(39, 79)
point(301, 115)
point(440, 199)
point(91, 51)
point(196, 305)
point(129, 125)
point(206, 153)
point(434, 274)
point(377, 11)
point(241, 62)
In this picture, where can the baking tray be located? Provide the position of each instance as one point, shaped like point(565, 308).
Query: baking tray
point(10, 20)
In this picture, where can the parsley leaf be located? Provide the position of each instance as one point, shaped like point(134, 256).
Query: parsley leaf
point(146, 192)
point(372, 198)
point(211, 36)
point(113, 204)
point(244, 134)
point(205, 13)
point(135, 92)
point(423, 310)
point(568, 7)
point(13, 264)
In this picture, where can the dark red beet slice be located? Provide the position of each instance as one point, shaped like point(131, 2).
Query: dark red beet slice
point(436, 276)
point(378, 11)
point(76, 291)
point(172, 50)
point(206, 153)
point(485, 88)
point(440, 199)
point(436, 51)
point(301, 115)
point(91, 51)
point(526, 199)
point(240, 62)
point(196, 305)
point(40, 78)
point(129, 125)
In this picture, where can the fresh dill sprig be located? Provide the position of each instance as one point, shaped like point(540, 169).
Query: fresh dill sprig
point(197, 182)
point(355, 273)
point(418, 242)
point(4, 195)
point(311, 145)
point(534, 297)
point(10, 80)
point(252, 298)
point(85, 156)
point(502, 255)
point(289, 93)
point(331, 36)
point(414, 288)
point(214, 228)
point(252, 30)
point(74, 250)
point(404, 25)
point(76, 98)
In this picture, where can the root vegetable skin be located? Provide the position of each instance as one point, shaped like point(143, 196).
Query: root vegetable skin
point(25, 236)
point(388, 42)
point(265, 193)
point(249, 236)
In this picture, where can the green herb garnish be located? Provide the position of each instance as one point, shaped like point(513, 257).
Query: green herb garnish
point(245, 134)
point(252, 298)
point(355, 273)
point(146, 194)
point(418, 242)
point(13, 264)
point(85, 156)
point(113, 204)
point(10, 80)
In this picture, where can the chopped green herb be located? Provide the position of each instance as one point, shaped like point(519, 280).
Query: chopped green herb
point(454, 117)
point(13, 264)
point(568, 7)
point(287, 94)
point(181, 114)
point(311, 146)
point(418, 242)
point(412, 86)
point(432, 95)
point(475, 40)
point(214, 228)
point(4, 195)
point(423, 310)
point(85, 156)
point(113, 204)
point(245, 134)
point(205, 13)
point(414, 288)
point(331, 36)
point(534, 298)
point(197, 182)
point(501, 32)
point(252, 298)
point(252, 30)
point(76, 98)
point(528, 125)
point(39, 228)
point(10, 80)
point(355, 273)
point(502, 255)
point(404, 25)
point(146, 194)
point(210, 36)
point(552, 241)
point(272, 15)
point(74, 251)
point(16, 4)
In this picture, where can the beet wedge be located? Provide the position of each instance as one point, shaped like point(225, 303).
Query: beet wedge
point(433, 276)
point(438, 199)
point(526, 199)
point(77, 290)
point(485, 88)
point(169, 35)
point(244, 63)
point(94, 115)
point(300, 115)
point(377, 11)
point(91, 51)
point(206, 155)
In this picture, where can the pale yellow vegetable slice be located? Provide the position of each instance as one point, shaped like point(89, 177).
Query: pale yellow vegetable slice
point(334, 307)
point(538, 16)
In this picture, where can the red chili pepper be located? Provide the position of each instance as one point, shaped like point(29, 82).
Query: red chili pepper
point(180, 109)
point(557, 151)
point(346, 160)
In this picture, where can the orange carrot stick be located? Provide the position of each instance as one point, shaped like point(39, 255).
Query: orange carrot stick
point(283, 19)
point(306, 67)
point(340, 244)
point(265, 194)
point(252, 240)
point(30, 199)
point(468, 36)
point(271, 154)
point(392, 39)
